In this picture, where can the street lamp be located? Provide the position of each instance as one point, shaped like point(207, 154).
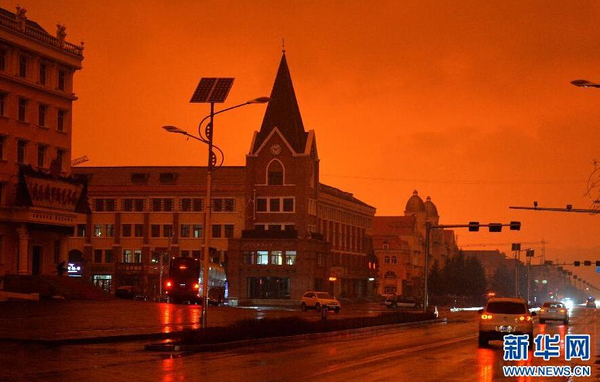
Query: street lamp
point(207, 138)
point(585, 84)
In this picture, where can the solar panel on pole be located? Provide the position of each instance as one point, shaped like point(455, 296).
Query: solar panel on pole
point(212, 90)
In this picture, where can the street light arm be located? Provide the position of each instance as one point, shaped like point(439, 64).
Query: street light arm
point(252, 101)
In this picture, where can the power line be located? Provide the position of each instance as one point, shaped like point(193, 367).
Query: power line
point(442, 181)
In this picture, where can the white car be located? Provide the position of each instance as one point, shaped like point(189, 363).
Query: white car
point(317, 300)
point(503, 316)
point(554, 311)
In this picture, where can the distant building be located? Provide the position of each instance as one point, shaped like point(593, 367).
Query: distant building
point(39, 201)
point(275, 227)
point(491, 260)
point(399, 244)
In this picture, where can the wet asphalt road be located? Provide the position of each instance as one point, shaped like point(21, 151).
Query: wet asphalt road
point(441, 352)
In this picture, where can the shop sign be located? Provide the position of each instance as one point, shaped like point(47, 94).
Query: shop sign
point(51, 193)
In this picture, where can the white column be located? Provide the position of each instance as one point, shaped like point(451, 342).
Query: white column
point(23, 266)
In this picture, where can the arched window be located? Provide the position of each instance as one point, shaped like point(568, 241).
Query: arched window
point(390, 275)
point(394, 260)
point(386, 260)
point(275, 173)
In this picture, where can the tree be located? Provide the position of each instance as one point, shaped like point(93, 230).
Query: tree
point(503, 281)
point(435, 279)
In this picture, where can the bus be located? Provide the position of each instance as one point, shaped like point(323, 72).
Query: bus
point(184, 284)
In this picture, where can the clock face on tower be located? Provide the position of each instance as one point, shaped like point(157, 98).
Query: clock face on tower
point(275, 149)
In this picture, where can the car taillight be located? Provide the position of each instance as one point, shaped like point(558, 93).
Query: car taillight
point(196, 286)
point(523, 318)
point(486, 316)
point(542, 310)
point(169, 284)
point(562, 310)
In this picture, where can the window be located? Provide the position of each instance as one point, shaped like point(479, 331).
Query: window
point(167, 230)
point(390, 275)
point(276, 257)
point(130, 256)
point(288, 204)
point(43, 70)
point(97, 256)
point(110, 230)
point(259, 227)
point(126, 230)
point(168, 204)
point(99, 205)
point(2, 104)
point(159, 204)
point(42, 110)
point(139, 230)
point(98, 230)
point(196, 254)
point(216, 230)
point(3, 59)
point(156, 204)
point(167, 177)
point(21, 146)
point(274, 227)
point(248, 257)
point(22, 109)
point(261, 205)
point(197, 231)
point(155, 230)
point(197, 204)
point(275, 174)
point(229, 231)
point(223, 205)
point(262, 257)
point(185, 230)
point(110, 204)
point(2, 140)
point(185, 204)
point(386, 260)
point(185, 253)
point(23, 61)
point(274, 205)
point(127, 205)
point(394, 260)
point(291, 227)
point(139, 178)
point(41, 156)
point(290, 258)
point(81, 230)
point(138, 204)
point(60, 121)
point(108, 256)
point(60, 158)
point(61, 79)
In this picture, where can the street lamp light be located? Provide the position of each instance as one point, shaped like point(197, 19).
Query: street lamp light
point(207, 138)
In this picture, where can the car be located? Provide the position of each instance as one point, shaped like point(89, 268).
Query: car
point(318, 300)
point(129, 292)
point(554, 311)
point(503, 316)
point(395, 301)
point(590, 304)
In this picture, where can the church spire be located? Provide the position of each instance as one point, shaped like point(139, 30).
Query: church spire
point(283, 112)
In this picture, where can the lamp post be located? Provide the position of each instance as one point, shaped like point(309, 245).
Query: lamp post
point(207, 138)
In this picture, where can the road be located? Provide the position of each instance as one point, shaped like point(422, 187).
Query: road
point(441, 352)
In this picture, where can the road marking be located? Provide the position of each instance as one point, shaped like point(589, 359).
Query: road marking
point(393, 354)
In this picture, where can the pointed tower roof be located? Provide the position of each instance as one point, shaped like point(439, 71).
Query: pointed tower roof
point(283, 112)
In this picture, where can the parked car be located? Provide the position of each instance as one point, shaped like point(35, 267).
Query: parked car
point(502, 316)
point(395, 301)
point(317, 300)
point(554, 311)
point(129, 292)
point(590, 304)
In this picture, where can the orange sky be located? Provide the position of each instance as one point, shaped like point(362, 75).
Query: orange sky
point(466, 101)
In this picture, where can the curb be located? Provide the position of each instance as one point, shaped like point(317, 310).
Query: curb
point(174, 347)
point(96, 340)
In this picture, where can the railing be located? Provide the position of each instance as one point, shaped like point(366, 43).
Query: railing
point(43, 37)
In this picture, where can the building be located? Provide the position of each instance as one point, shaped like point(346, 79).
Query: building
point(39, 201)
point(399, 245)
point(491, 260)
point(277, 229)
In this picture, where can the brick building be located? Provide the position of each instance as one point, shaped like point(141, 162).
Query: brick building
point(278, 230)
point(39, 201)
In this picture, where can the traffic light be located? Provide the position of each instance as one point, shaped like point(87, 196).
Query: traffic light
point(515, 226)
point(530, 253)
point(495, 227)
point(577, 263)
point(587, 263)
point(516, 246)
point(473, 226)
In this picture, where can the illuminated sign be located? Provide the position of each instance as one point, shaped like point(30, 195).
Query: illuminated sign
point(74, 269)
